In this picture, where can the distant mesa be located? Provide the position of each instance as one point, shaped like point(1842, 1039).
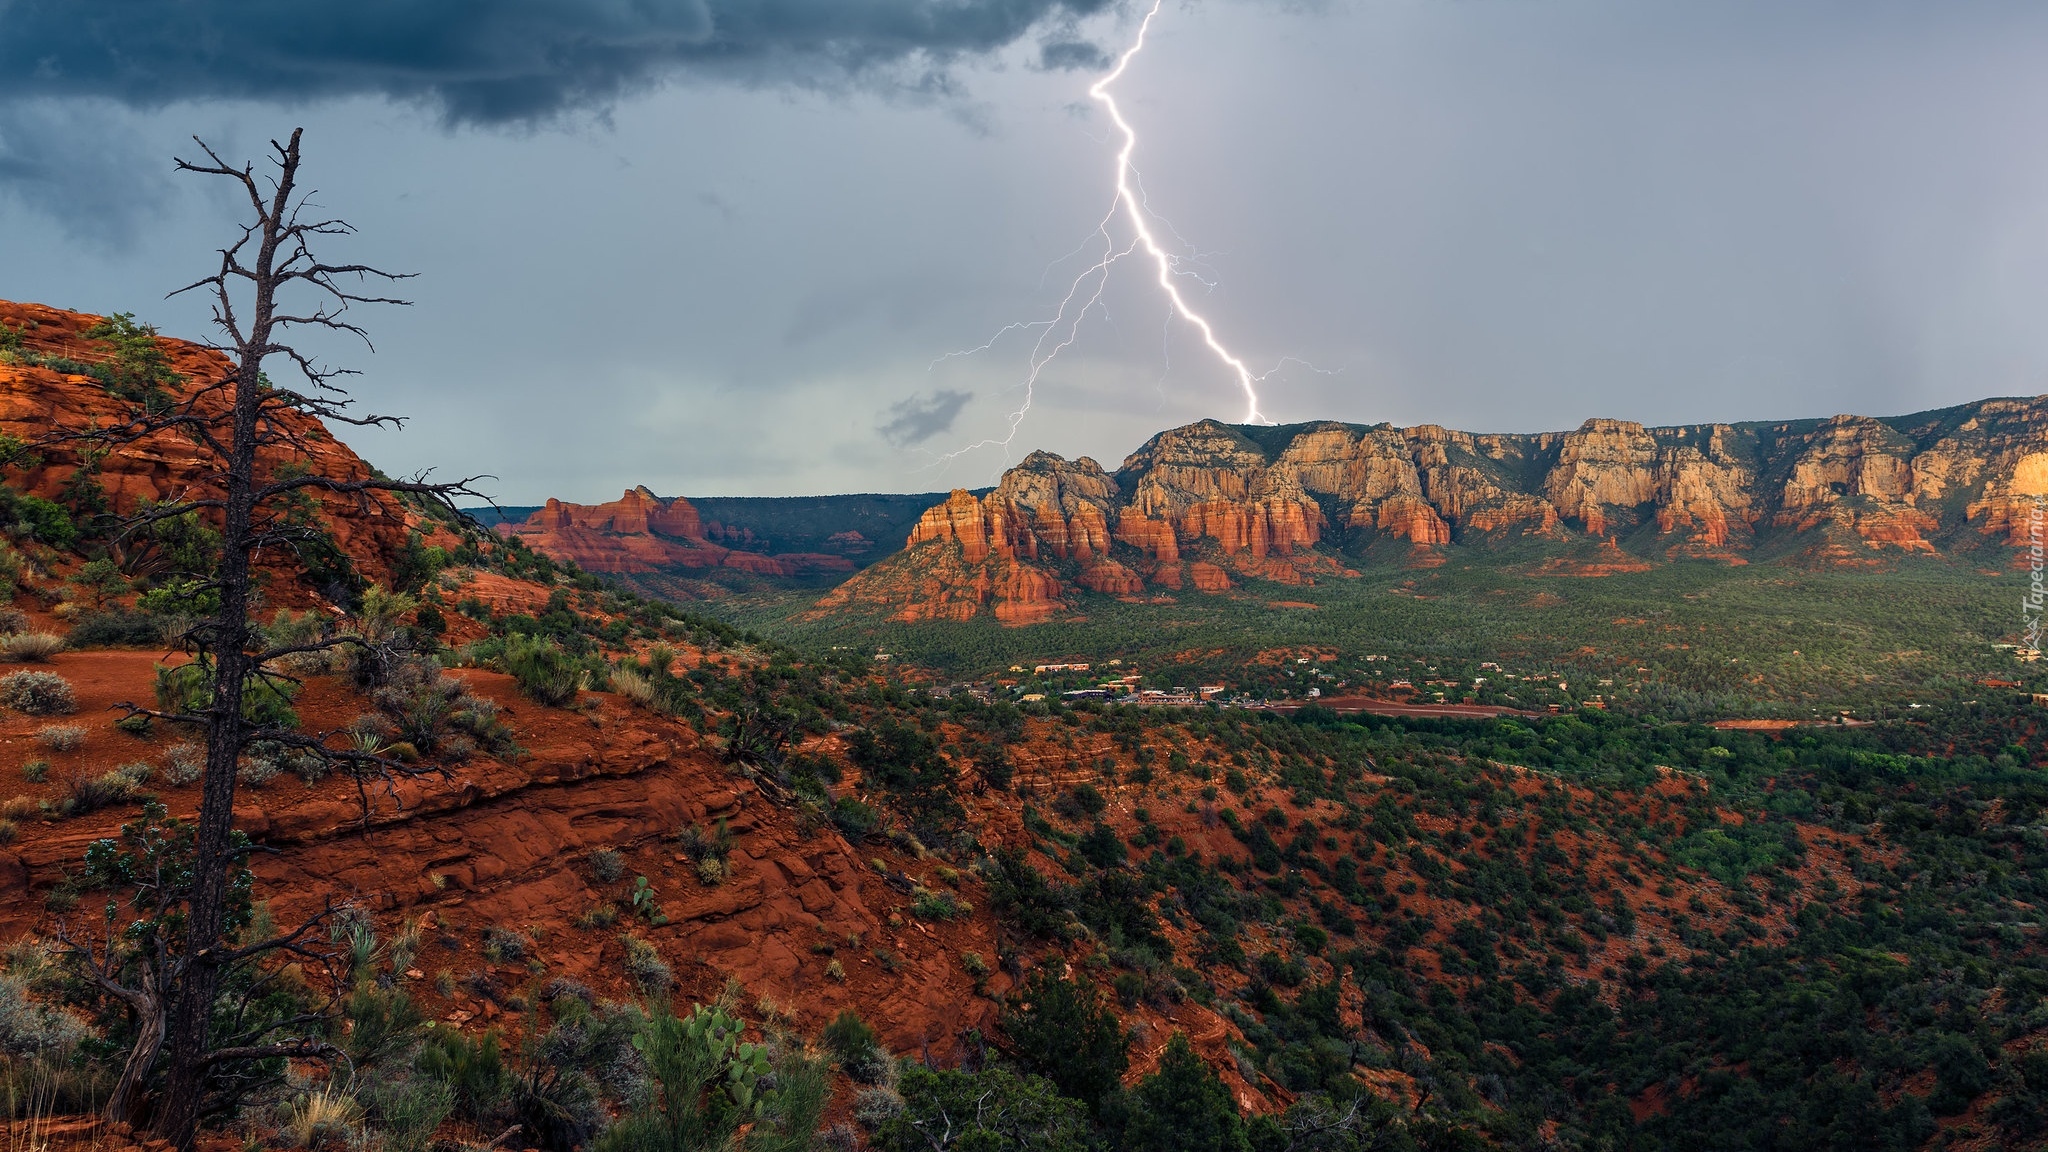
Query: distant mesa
point(1204, 508)
point(641, 533)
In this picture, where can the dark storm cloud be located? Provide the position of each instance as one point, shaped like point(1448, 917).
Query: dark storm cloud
point(72, 161)
point(484, 61)
point(919, 418)
point(1069, 55)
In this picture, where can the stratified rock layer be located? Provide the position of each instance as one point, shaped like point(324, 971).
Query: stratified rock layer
point(641, 532)
point(1209, 505)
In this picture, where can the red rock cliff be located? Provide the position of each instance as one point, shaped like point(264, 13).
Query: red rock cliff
point(1278, 504)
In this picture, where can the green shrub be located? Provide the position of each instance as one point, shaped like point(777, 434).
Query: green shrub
point(940, 906)
point(709, 1084)
point(34, 518)
point(187, 689)
point(87, 794)
point(856, 1046)
point(855, 820)
point(1061, 1030)
point(406, 1110)
point(473, 1070)
point(543, 671)
point(502, 946)
point(993, 1109)
point(1183, 1107)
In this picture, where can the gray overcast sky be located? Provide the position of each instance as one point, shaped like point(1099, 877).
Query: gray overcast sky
point(719, 255)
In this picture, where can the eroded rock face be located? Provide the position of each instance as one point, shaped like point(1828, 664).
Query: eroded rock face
point(641, 532)
point(1210, 505)
point(1208, 482)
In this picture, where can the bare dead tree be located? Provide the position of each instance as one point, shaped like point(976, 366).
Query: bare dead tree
point(243, 424)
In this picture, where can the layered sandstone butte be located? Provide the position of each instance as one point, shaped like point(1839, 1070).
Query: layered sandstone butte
point(643, 533)
point(1210, 505)
point(38, 400)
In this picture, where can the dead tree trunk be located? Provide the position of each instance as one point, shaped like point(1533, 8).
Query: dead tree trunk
point(233, 422)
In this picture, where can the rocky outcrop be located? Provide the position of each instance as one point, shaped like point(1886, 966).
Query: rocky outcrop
point(1210, 506)
point(1208, 482)
point(39, 397)
point(643, 533)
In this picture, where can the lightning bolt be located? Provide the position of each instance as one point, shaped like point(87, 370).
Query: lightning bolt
point(1084, 293)
point(1133, 206)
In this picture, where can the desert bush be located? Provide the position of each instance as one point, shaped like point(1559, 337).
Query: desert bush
point(421, 707)
point(854, 819)
point(38, 693)
point(118, 628)
point(993, 1108)
point(187, 689)
point(474, 1070)
point(503, 946)
point(857, 1047)
point(318, 1118)
point(699, 844)
point(30, 647)
point(407, 1109)
point(710, 1083)
point(607, 865)
point(33, 1031)
point(645, 967)
point(1061, 1030)
point(710, 872)
point(13, 621)
point(184, 763)
point(256, 771)
point(86, 794)
point(61, 737)
point(633, 685)
point(20, 807)
point(543, 671)
point(874, 1107)
point(286, 630)
point(35, 771)
point(940, 906)
point(386, 641)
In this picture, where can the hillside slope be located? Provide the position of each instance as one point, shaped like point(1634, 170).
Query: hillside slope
point(1578, 930)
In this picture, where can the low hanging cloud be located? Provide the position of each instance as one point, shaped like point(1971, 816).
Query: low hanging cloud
point(493, 61)
point(913, 421)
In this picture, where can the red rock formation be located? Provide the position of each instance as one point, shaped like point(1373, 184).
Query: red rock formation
point(1606, 464)
point(643, 533)
point(1110, 578)
point(1207, 481)
point(35, 401)
point(1862, 488)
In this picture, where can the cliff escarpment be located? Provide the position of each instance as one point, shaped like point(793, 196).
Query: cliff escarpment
point(1210, 505)
point(641, 533)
